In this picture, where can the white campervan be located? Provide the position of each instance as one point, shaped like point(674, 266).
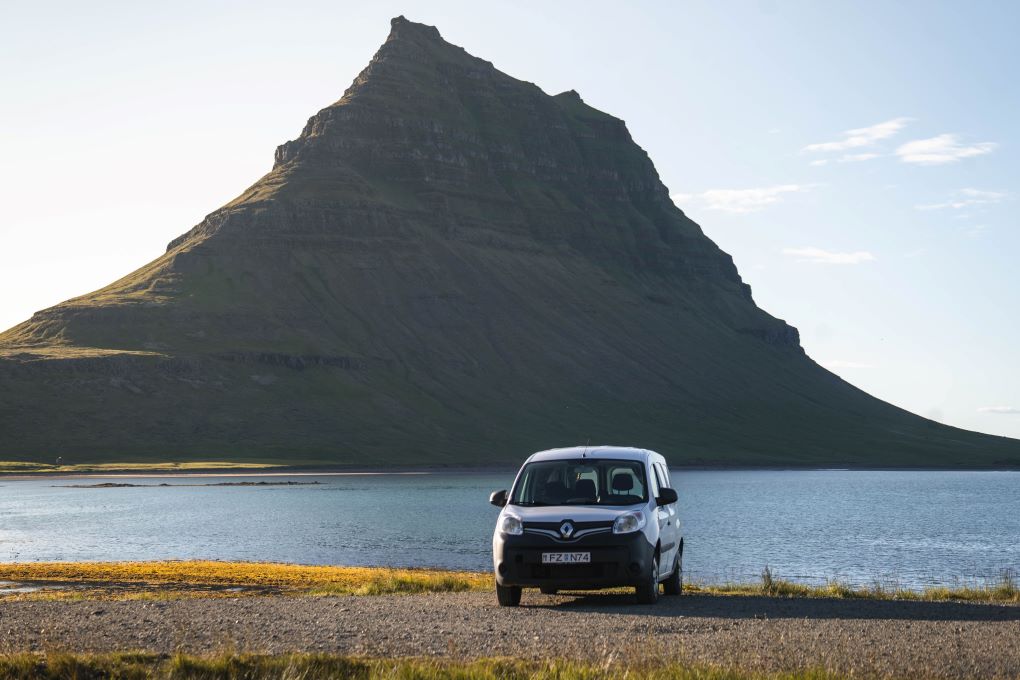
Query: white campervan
point(588, 517)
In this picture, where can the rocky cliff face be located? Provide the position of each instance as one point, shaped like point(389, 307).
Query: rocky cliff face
point(446, 266)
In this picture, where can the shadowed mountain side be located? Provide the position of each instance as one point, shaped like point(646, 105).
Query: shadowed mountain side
point(448, 266)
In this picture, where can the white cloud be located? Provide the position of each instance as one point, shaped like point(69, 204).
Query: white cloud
point(964, 198)
point(1001, 410)
point(941, 150)
point(820, 256)
point(858, 157)
point(847, 158)
point(986, 196)
point(741, 200)
point(860, 137)
point(839, 363)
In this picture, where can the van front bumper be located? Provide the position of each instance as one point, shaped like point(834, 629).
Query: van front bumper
point(616, 560)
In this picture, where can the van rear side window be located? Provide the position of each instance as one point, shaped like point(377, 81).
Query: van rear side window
point(660, 476)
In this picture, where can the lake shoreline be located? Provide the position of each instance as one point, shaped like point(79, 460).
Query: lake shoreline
point(805, 526)
point(340, 471)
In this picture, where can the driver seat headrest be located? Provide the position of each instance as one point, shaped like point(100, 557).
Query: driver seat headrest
point(623, 481)
point(585, 488)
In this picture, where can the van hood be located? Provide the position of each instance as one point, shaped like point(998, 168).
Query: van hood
point(575, 513)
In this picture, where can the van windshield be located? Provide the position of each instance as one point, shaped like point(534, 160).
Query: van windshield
point(581, 482)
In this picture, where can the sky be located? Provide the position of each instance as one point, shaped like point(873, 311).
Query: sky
point(859, 159)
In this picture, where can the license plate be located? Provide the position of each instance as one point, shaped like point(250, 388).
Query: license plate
point(566, 558)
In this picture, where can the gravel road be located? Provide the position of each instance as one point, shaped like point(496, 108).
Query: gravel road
point(870, 637)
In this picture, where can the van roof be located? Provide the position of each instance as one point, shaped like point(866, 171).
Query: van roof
point(618, 452)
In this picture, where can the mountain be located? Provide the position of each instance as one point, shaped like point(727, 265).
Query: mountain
point(447, 266)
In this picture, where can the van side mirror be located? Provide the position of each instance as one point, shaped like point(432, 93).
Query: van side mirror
point(498, 498)
point(666, 496)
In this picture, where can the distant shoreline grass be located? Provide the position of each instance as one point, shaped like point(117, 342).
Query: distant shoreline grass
point(197, 578)
point(140, 666)
point(21, 468)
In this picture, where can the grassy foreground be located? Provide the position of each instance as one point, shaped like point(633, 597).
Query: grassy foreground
point(169, 579)
point(301, 666)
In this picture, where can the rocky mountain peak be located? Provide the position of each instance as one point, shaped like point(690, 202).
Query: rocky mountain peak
point(432, 129)
point(402, 29)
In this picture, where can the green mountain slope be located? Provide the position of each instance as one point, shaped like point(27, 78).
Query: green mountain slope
point(448, 266)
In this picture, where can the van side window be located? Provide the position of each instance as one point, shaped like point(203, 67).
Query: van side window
point(655, 482)
point(663, 475)
point(661, 482)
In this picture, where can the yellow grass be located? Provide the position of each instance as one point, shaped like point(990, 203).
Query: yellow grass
point(173, 579)
point(182, 578)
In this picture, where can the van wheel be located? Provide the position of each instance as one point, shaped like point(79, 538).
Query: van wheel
point(549, 591)
point(648, 592)
point(674, 585)
point(508, 596)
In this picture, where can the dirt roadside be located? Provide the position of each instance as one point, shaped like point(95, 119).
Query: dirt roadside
point(850, 636)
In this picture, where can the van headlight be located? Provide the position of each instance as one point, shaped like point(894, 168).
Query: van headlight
point(511, 525)
point(629, 522)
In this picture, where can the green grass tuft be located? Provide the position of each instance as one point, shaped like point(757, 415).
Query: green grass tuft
point(1003, 589)
point(137, 666)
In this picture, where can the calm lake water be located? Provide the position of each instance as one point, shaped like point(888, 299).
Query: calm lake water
point(905, 528)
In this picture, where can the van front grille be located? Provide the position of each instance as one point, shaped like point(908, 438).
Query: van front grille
point(569, 572)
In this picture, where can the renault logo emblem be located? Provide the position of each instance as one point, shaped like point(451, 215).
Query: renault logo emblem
point(566, 530)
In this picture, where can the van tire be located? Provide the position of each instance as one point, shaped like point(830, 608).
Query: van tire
point(674, 585)
point(549, 591)
point(648, 592)
point(508, 596)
